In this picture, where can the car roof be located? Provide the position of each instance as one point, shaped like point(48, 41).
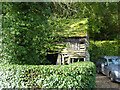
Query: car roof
point(110, 57)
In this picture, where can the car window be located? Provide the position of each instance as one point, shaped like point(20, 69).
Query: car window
point(105, 61)
point(118, 60)
point(114, 61)
point(110, 61)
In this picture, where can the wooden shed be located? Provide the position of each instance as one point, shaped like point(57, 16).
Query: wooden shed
point(77, 43)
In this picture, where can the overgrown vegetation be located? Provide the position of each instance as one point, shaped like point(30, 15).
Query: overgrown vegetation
point(30, 32)
point(102, 17)
point(76, 75)
point(103, 48)
point(30, 29)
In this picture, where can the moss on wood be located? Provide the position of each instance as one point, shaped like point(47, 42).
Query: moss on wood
point(74, 28)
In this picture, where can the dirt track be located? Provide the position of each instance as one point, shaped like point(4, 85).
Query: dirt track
point(104, 82)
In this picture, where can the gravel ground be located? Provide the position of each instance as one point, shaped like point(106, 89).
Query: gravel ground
point(104, 82)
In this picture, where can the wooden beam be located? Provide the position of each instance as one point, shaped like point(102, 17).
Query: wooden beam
point(63, 61)
point(72, 60)
point(84, 59)
point(58, 60)
point(57, 63)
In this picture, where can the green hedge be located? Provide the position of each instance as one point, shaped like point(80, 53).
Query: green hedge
point(103, 48)
point(78, 75)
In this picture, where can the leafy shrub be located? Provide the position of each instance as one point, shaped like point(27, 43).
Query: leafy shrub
point(103, 48)
point(28, 35)
point(30, 32)
point(78, 75)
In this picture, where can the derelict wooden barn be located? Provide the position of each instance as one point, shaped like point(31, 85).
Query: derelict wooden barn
point(77, 44)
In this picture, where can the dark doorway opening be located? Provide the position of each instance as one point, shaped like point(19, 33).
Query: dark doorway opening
point(81, 59)
point(75, 60)
point(52, 58)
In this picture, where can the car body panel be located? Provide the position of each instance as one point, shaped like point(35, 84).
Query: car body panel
point(107, 65)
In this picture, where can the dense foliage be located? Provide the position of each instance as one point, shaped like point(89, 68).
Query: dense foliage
point(28, 32)
point(30, 29)
point(103, 48)
point(77, 75)
point(102, 17)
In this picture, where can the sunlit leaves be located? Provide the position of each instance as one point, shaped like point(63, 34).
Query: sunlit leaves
point(102, 17)
point(34, 26)
point(81, 74)
point(24, 32)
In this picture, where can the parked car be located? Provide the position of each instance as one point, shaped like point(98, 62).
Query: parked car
point(109, 66)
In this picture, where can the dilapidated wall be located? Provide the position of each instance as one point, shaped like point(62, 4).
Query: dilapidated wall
point(76, 50)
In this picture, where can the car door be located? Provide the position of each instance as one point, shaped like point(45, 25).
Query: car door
point(104, 66)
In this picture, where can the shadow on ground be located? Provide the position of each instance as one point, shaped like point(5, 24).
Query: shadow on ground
point(103, 81)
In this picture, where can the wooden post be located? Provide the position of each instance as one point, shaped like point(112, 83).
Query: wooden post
point(69, 59)
point(58, 60)
point(72, 60)
point(78, 59)
point(63, 61)
point(84, 58)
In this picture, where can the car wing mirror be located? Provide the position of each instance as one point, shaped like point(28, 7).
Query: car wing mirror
point(104, 64)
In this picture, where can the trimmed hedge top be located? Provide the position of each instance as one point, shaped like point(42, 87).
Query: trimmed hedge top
point(78, 75)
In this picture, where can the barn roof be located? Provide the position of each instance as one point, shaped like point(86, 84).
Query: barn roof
point(71, 28)
point(74, 28)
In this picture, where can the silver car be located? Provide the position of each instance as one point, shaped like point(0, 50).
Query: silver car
point(109, 66)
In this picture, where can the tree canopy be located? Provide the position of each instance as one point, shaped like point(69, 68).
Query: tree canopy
point(102, 17)
point(30, 29)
